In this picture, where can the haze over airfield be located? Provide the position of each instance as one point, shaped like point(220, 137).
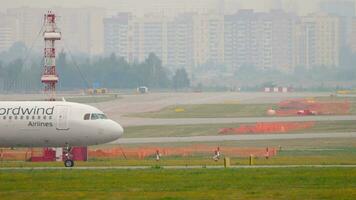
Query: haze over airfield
point(203, 37)
point(144, 6)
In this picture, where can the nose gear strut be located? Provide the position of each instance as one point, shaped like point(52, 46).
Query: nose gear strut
point(68, 157)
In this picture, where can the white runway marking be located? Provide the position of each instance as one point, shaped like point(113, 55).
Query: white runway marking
point(220, 138)
point(128, 121)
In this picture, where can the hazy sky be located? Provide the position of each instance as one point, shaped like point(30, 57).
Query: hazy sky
point(304, 6)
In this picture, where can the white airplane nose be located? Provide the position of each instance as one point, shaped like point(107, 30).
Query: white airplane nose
point(116, 131)
point(120, 130)
point(111, 131)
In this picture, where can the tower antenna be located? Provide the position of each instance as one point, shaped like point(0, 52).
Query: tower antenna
point(50, 35)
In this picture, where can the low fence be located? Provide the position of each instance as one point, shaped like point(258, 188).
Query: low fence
point(15, 154)
point(40, 154)
point(145, 152)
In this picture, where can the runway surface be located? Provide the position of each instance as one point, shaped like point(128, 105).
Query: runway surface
point(126, 121)
point(175, 167)
point(153, 102)
point(233, 138)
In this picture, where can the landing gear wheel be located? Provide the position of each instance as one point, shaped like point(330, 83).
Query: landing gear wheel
point(68, 156)
point(68, 163)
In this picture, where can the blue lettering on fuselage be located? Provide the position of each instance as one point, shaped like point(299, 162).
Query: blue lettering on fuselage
point(27, 111)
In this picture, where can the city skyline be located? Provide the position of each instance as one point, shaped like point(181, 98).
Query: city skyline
point(140, 7)
point(275, 39)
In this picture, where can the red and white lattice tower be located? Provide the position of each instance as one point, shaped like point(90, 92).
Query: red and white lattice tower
point(50, 35)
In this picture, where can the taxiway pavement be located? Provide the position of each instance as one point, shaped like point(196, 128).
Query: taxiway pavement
point(221, 138)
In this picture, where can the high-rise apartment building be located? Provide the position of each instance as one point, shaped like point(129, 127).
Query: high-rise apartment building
point(150, 36)
point(353, 35)
point(180, 42)
point(283, 25)
point(154, 32)
point(240, 39)
point(185, 41)
point(317, 41)
point(262, 40)
point(208, 39)
point(345, 10)
point(118, 35)
point(8, 31)
point(134, 38)
point(273, 40)
point(82, 28)
point(30, 22)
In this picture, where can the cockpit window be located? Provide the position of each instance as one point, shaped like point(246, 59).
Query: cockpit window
point(87, 116)
point(96, 116)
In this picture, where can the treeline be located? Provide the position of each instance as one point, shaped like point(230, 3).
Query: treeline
point(20, 71)
point(16, 76)
point(109, 72)
point(114, 72)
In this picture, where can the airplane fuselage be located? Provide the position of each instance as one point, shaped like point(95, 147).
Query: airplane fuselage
point(54, 124)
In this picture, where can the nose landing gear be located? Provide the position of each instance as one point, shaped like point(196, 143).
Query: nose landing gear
point(69, 163)
point(68, 157)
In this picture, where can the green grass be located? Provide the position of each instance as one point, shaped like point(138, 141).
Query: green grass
point(321, 143)
point(213, 129)
point(332, 155)
point(210, 111)
point(230, 110)
point(353, 109)
point(302, 159)
point(296, 183)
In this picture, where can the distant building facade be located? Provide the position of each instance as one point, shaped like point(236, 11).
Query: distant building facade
point(273, 40)
point(9, 31)
point(152, 37)
point(184, 41)
point(208, 39)
point(118, 36)
point(30, 21)
point(353, 36)
point(198, 38)
point(134, 38)
point(263, 40)
point(82, 28)
point(345, 10)
point(317, 41)
point(180, 40)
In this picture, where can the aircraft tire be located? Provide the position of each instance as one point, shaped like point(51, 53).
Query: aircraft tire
point(69, 163)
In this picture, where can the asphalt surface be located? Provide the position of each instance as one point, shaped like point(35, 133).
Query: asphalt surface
point(233, 138)
point(126, 122)
point(152, 102)
point(138, 103)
